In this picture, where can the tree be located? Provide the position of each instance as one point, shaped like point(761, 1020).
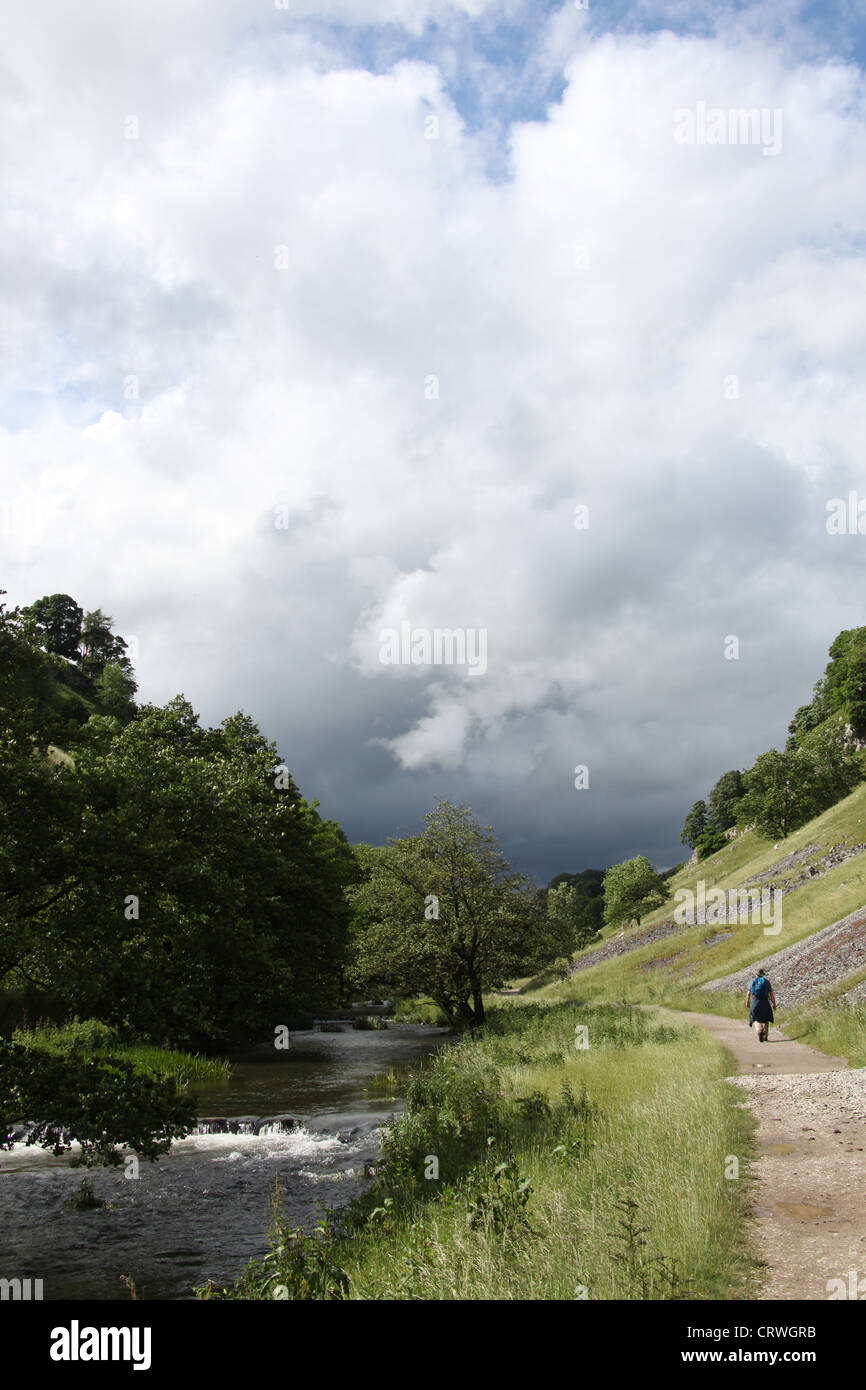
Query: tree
point(58, 622)
point(694, 825)
point(845, 678)
point(442, 914)
point(724, 797)
point(631, 889)
point(208, 904)
point(589, 886)
point(711, 841)
point(785, 790)
point(831, 767)
point(571, 923)
point(810, 716)
point(99, 645)
point(771, 799)
point(98, 1102)
point(114, 690)
point(40, 804)
point(169, 879)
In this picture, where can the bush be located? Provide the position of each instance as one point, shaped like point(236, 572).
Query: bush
point(89, 1035)
point(300, 1266)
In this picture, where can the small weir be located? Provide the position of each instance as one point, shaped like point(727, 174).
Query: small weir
point(308, 1118)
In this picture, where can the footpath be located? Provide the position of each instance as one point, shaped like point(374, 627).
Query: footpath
point(808, 1201)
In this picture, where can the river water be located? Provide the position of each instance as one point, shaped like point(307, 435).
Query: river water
point(201, 1212)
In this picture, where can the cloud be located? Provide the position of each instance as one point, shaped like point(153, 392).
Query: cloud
point(298, 294)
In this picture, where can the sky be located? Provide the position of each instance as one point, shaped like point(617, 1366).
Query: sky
point(335, 320)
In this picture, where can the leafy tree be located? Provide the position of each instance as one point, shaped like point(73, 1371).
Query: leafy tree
point(711, 841)
point(845, 677)
point(772, 798)
point(810, 716)
point(40, 804)
point(831, 766)
point(98, 1102)
point(442, 914)
point(168, 878)
point(723, 800)
point(589, 885)
point(694, 825)
point(785, 790)
point(631, 889)
point(571, 923)
point(208, 904)
point(114, 690)
point(99, 645)
point(58, 622)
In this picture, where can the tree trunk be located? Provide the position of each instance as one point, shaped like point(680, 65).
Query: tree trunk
point(478, 1015)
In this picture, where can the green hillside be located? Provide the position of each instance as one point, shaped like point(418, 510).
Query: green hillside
point(820, 872)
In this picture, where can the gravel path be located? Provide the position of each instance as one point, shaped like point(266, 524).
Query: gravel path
point(809, 1217)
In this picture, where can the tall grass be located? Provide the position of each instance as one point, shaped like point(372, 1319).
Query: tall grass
point(524, 1167)
point(99, 1040)
point(834, 1027)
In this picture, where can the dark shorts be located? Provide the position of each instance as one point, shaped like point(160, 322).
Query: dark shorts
point(761, 1012)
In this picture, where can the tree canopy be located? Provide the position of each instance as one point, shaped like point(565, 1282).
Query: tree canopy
point(631, 889)
point(162, 877)
point(442, 914)
point(694, 825)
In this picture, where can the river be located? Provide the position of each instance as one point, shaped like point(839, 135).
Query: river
point(201, 1212)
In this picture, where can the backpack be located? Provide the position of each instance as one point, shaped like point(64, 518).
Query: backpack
point(760, 987)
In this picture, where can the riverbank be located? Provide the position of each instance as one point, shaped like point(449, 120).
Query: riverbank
point(97, 1040)
point(564, 1151)
point(201, 1210)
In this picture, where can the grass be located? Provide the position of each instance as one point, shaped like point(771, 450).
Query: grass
point(525, 1167)
point(419, 1011)
point(98, 1040)
point(836, 1028)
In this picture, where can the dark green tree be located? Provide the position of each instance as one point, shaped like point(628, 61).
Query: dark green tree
point(40, 802)
point(694, 825)
point(809, 716)
point(571, 922)
point(58, 620)
point(114, 692)
point(772, 799)
point(723, 800)
point(709, 842)
point(209, 900)
point(785, 790)
point(97, 1102)
point(99, 645)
